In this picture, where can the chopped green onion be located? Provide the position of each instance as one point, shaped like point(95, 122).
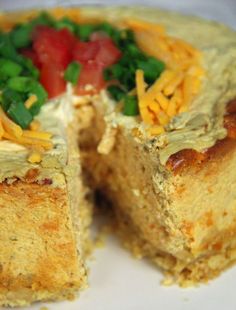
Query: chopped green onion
point(134, 51)
point(2, 84)
point(31, 70)
point(7, 49)
point(114, 72)
point(19, 114)
point(128, 79)
point(66, 23)
point(116, 92)
point(109, 30)
point(21, 35)
point(19, 83)
point(9, 68)
point(72, 72)
point(152, 68)
point(128, 35)
point(131, 106)
point(10, 96)
point(30, 86)
point(37, 89)
point(43, 19)
point(84, 31)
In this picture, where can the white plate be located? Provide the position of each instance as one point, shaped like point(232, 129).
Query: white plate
point(117, 281)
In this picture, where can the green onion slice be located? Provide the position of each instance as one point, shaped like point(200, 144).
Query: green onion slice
point(131, 106)
point(9, 68)
point(20, 114)
point(72, 72)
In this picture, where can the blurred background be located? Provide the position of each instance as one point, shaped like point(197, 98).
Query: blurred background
point(221, 10)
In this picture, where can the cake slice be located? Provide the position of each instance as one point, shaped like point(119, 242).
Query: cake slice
point(44, 213)
point(44, 216)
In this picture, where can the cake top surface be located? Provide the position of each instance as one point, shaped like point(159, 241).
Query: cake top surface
point(202, 124)
point(197, 127)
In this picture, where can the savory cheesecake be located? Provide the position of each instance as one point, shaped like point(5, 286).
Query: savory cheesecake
point(143, 100)
point(44, 216)
point(170, 177)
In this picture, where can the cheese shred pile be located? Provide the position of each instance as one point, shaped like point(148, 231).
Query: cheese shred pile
point(179, 83)
point(37, 141)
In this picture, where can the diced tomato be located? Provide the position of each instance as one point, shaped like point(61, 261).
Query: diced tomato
point(102, 51)
point(51, 77)
point(98, 35)
point(67, 37)
point(54, 49)
point(91, 74)
point(108, 53)
point(85, 51)
point(29, 53)
point(53, 46)
point(64, 34)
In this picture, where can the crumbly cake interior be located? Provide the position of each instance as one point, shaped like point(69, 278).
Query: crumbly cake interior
point(182, 222)
point(44, 234)
point(185, 221)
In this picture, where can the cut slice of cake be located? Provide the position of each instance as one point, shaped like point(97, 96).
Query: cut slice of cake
point(44, 213)
point(44, 216)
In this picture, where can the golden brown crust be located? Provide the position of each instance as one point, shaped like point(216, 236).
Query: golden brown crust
point(38, 248)
point(188, 158)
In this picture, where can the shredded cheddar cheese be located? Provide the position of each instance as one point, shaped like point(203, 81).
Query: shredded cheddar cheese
point(9, 126)
point(35, 157)
point(33, 142)
point(1, 130)
point(30, 101)
point(155, 130)
point(34, 125)
point(174, 90)
point(37, 134)
point(137, 24)
point(35, 139)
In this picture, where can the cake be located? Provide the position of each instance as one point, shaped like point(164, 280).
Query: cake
point(162, 156)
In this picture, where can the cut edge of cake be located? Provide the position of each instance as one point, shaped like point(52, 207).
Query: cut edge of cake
point(44, 220)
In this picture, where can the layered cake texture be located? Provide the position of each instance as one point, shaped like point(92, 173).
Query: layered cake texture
point(44, 215)
point(173, 193)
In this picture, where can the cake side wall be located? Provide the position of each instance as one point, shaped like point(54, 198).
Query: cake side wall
point(38, 256)
point(138, 187)
point(44, 228)
point(184, 222)
point(204, 203)
point(81, 206)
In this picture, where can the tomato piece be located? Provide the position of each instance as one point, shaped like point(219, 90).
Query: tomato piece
point(102, 51)
point(51, 77)
point(53, 46)
point(91, 74)
point(67, 37)
point(29, 53)
point(98, 35)
point(85, 51)
point(108, 53)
